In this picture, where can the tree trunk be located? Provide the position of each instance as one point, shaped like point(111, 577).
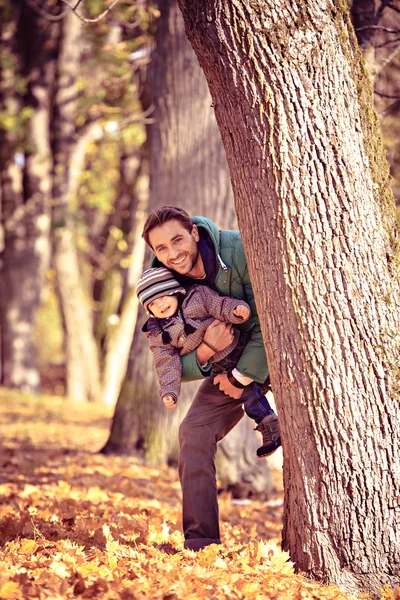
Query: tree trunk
point(83, 369)
point(187, 169)
point(118, 342)
point(311, 184)
point(25, 186)
point(188, 165)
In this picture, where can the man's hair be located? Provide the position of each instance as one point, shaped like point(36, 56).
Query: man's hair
point(164, 214)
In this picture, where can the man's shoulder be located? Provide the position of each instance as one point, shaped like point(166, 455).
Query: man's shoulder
point(231, 248)
point(226, 237)
point(230, 238)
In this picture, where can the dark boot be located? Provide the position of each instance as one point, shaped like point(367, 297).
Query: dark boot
point(271, 438)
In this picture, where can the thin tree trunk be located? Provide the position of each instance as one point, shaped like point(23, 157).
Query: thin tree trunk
point(132, 200)
point(83, 369)
point(25, 187)
point(119, 342)
point(294, 106)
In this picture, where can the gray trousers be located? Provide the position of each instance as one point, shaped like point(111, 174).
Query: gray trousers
point(211, 416)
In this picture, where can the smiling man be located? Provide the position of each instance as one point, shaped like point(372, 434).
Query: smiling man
point(196, 251)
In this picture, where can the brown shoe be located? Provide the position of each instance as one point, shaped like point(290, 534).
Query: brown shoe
point(271, 437)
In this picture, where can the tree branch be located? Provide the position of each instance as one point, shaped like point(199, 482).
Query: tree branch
point(390, 109)
point(378, 27)
point(393, 7)
point(46, 15)
point(380, 10)
point(387, 61)
point(386, 95)
point(43, 13)
point(84, 19)
point(392, 41)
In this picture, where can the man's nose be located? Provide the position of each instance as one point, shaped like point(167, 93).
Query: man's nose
point(173, 253)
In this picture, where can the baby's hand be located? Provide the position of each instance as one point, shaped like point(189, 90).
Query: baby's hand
point(169, 401)
point(242, 311)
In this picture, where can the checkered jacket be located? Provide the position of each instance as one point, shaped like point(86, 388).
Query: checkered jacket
point(200, 307)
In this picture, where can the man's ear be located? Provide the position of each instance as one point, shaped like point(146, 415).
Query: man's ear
point(195, 233)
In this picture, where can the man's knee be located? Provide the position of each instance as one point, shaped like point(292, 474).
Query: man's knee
point(197, 438)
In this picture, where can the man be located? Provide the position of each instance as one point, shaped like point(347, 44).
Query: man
point(198, 252)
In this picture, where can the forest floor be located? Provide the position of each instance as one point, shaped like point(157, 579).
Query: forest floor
point(76, 524)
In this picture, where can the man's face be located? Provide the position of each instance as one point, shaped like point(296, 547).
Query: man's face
point(175, 246)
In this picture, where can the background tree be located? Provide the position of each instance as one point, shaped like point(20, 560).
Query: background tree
point(294, 105)
point(28, 52)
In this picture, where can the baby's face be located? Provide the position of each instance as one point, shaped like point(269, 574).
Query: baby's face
point(164, 306)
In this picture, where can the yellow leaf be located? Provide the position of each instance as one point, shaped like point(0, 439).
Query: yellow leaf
point(219, 562)
point(60, 569)
point(111, 548)
point(27, 547)
point(88, 568)
point(10, 591)
point(280, 563)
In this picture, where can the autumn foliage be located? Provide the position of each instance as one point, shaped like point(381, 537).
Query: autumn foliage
point(75, 524)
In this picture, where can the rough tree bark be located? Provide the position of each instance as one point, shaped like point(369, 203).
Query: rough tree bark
point(83, 369)
point(188, 169)
point(25, 185)
point(294, 106)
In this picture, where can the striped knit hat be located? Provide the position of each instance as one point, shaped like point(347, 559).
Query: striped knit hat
point(155, 283)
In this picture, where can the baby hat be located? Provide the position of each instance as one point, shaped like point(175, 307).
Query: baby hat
point(155, 283)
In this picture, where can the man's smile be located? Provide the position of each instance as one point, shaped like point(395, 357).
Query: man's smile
point(178, 261)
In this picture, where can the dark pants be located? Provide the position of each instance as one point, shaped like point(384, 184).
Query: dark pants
point(211, 416)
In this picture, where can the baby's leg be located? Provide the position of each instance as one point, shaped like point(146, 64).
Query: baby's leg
point(257, 407)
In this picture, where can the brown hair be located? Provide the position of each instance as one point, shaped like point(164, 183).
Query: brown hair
point(164, 214)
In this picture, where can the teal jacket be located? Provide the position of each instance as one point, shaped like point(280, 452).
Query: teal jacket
point(232, 280)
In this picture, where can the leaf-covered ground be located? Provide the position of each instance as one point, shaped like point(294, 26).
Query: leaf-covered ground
point(75, 524)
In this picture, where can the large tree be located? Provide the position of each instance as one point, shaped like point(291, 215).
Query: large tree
point(294, 105)
point(188, 169)
point(83, 372)
point(28, 51)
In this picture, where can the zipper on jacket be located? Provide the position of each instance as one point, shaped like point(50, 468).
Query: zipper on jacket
point(221, 262)
point(226, 274)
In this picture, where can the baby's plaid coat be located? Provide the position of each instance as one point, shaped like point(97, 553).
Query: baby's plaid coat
point(200, 307)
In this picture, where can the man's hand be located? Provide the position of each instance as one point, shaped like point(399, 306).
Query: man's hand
point(242, 311)
point(225, 386)
point(219, 334)
point(169, 401)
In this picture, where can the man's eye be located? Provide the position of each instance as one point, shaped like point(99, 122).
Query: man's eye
point(161, 249)
point(177, 240)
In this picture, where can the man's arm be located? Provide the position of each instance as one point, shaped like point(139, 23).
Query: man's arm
point(253, 362)
point(197, 364)
point(221, 307)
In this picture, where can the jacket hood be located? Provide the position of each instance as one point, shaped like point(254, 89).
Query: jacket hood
point(202, 223)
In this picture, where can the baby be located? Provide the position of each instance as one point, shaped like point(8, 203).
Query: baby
point(178, 321)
